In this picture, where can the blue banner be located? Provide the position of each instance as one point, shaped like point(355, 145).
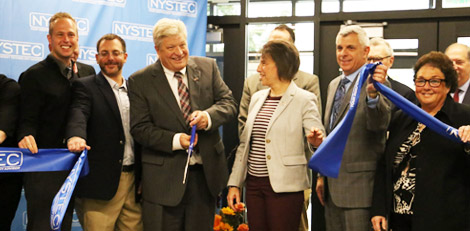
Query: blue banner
point(24, 26)
point(327, 158)
point(62, 198)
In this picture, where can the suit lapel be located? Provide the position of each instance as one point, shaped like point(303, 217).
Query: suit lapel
point(345, 103)
point(193, 74)
point(108, 94)
point(258, 103)
point(165, 92)
point(329, 102)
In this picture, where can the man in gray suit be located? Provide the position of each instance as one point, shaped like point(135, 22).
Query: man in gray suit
point(252, 84)
point(167, 98)
point(347, 199)
point(460, 56)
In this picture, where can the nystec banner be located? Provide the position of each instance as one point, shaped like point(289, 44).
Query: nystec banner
point(24, 26)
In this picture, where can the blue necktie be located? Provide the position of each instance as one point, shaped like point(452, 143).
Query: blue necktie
point(339, 96)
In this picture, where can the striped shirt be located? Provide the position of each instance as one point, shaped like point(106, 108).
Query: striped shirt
point(257, 156)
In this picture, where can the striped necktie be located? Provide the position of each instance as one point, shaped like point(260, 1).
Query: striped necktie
point(183, 92)
point(339, 95)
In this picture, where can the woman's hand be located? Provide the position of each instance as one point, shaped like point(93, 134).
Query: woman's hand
point(315, 137)
point(464, 133)
point(233, 195)
point(379, 223)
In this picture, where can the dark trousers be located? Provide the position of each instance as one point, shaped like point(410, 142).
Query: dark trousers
point(195, 212)
point(40, 189)
point(270, 211)
point(10, 194)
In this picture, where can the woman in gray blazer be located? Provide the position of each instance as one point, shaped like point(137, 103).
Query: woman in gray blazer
point(271, 161)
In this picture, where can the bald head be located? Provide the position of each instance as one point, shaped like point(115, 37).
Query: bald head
point(460, 56)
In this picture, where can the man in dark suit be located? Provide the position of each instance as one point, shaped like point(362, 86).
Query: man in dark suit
point(460, 56)
point(348, 198)
point(167, 98)
point(10, 183)
point(45, 99)
point(99, 119)
point(381, 51)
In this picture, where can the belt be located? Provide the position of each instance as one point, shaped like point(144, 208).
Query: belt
point(128, 168)
point(195, 167)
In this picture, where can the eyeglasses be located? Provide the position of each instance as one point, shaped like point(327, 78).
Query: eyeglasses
point(377, 59)
point(432, 82)
point(113, 53)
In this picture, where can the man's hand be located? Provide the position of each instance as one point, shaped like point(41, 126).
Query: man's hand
point(185, 140)
point(321, 190)
point(200, 119)
point(315, 137)
point(380, 75)
point(30, 143)
point(77, 144)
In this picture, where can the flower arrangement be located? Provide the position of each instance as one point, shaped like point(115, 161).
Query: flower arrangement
point(230, 220)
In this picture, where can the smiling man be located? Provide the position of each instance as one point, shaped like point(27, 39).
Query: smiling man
point(167, 98)
point(45, 99)
point(460, 56)
point(347, 199)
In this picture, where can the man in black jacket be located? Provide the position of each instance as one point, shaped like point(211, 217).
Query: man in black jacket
point(10, 183)
point(45, 99)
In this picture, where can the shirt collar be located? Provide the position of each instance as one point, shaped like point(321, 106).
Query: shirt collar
point(464, 87)
point(353, 75)
point(169, 72)
point(113, 83)
point(62, 66)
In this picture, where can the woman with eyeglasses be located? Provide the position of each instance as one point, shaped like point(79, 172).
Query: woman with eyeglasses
point(423, 179)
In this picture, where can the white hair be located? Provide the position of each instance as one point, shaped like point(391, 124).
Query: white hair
point(382, 42)
point(361, 34)
point(168, 27)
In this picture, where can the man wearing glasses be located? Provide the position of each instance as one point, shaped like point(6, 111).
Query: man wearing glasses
point(381, 51)
point(99, 121)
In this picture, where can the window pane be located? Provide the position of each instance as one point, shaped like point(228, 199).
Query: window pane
point(385, 5)
point(406, 55)
point(305, 8)
point(221, 8)
point(330, 6)
point(464, 40)
point(258, 35)
point(269, 8)
point(455, 3)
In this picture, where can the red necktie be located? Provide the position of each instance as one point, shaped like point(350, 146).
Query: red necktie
point(183, 92)
point(456, 95)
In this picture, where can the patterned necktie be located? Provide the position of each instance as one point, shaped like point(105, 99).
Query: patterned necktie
point(339, 96)
point(456, 95)
point(183, 92)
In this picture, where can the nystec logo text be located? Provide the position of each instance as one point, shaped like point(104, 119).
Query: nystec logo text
point(174, 7)
point(118, 3)
point(40, 22)
point(87, 55)
point(133, 31)
point(21, 50)
point(11, 160)
point(151, 59)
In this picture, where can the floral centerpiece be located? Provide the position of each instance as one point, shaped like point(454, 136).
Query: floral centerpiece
point(230, 220)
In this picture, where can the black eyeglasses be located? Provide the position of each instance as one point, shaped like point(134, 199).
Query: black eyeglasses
point(377, 59)
point(113, 53)
point(432, 82)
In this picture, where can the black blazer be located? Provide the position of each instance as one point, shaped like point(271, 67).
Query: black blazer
point(403, 90)
point(94, 116)
point(9, 102)
point(45, 99)
point(442, 193)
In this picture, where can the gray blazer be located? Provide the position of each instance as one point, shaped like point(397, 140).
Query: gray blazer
point(466, 98)
point(156, 118)
point(252, 84)
point(353, 187)
point(286, 160)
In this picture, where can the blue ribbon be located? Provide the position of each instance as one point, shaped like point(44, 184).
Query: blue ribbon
point(62, 198)
point(327, 158)
point(191, 140)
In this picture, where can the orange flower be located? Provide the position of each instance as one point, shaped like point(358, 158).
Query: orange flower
point(243, 227)
point(217, 221)
point(225, 227)
point(240, 207)
point(228, 211)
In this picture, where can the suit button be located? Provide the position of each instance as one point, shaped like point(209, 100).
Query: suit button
point(268, 141)
point(269, 157)
point(121, 142)
point(120, 161)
